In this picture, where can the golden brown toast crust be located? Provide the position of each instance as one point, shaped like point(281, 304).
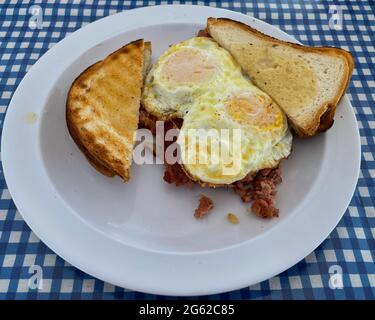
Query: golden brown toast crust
point(94, 162)
point(324, 118)
point(110, 91)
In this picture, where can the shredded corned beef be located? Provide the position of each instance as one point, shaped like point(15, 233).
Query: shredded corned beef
point(203, 33)
point(147, 120)
point(264, 194)
point(174, 174)
point(204, 207)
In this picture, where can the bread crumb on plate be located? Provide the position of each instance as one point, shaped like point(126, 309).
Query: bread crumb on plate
point(232, 218)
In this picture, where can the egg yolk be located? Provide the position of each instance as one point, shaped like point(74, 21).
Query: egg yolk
point(187, 66)
point(254, 110)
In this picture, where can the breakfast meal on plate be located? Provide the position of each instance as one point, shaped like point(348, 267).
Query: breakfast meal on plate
point(102, 108)
point(235, 95)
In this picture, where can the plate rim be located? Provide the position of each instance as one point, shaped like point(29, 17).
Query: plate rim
point(176, 290)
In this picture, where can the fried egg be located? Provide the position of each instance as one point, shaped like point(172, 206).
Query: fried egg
point(185, 72)
point(240, 135)
point(230, 127)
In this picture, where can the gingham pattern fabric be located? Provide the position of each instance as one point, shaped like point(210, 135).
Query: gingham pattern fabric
point(350, 246)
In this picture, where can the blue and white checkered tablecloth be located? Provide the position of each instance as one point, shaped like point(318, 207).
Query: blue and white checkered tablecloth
point(350, 247)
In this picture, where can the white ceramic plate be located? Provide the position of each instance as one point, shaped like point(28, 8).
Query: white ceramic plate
point(142, 235)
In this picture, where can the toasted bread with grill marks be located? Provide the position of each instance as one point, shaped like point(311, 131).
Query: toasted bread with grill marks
point(102, 109)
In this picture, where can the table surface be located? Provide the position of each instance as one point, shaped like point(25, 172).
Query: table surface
point(347, 254)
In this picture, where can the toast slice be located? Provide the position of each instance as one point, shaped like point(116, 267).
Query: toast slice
point(306, 82)
point(102, 109)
